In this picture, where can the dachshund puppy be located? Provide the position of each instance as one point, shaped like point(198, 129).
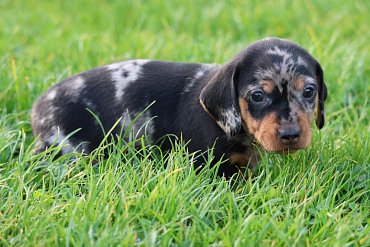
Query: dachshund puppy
point(264, 97)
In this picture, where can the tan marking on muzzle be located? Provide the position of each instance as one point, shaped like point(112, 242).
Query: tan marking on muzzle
point(304, 120)
point(265, 131)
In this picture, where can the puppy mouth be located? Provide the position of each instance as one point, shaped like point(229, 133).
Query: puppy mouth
point(283, 148)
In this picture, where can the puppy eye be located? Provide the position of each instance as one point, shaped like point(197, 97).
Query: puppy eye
point(308, 91)
point(257, 96)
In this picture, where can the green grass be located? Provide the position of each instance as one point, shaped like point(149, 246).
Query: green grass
point(318, 197)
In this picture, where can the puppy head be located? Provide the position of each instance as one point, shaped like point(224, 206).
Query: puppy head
point(269, 90)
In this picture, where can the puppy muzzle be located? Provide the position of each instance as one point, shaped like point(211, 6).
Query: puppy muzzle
point(289, 135)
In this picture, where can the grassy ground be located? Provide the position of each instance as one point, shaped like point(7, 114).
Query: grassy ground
point(318, 197)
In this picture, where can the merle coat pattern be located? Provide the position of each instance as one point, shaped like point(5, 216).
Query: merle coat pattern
point(265, 96)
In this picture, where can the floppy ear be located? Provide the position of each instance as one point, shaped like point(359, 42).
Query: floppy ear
point(322, 94)
point(219, 99)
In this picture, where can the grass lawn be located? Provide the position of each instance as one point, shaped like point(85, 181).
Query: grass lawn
point(318, 197)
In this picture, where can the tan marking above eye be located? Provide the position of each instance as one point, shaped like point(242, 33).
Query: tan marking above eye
point(267, 86)
point(300, 82)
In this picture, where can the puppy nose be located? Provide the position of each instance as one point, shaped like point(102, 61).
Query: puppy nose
point(289, 135)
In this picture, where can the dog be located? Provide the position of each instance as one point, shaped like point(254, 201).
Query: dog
point(264, 97)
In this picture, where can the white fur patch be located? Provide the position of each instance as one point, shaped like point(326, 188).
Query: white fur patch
point(230, 120)
point(47, 119)
point(286, 55)
point(275, 50)
point(198, 74)
point(75, 86)
point(143, 125)
point(57, 137)
point(51, 95)
point(124, 73)
point(301, 62)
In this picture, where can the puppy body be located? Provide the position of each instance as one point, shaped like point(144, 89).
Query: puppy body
point(264, 96)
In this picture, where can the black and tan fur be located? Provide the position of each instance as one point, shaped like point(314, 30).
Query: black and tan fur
point(265, 96)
